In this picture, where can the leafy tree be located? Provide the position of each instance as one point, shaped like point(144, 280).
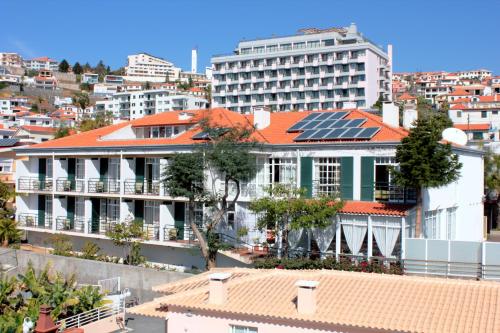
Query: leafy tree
point(7, 193)
point(63, 66)
point(100, 120)
point(62, 132)
point(81, 99)
point(127, 236)
point(285, 209)
point(77, 68)
point(492, 178)
point(425, 161)
point(87, 67)
point(85, 86)
point(378, 103)
point(8, 230)
point(208, 94)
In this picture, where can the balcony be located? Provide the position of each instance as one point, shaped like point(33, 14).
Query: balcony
point(102, 226)
point(69, 185)
point(179, 234)
point(386, 192)
point(33, 221)
point(104, 185)
point(151, 231)
point(76, 224)
point(34, 184)
point(146, 187)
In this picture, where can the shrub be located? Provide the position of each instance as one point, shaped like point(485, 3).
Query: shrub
point(61, 245)
point(90, 251)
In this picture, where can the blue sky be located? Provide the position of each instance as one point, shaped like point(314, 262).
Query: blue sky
point(427, 35)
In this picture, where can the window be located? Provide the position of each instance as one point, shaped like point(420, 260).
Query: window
point(484, 114)
point(80, 168)
point(243, 329)
point(451, 219)
point(151, 212)
point(282, 170)
point(432, 224)
point(231, 216)
point(477, 135)
point(327, 172)
point(5, 165)
point(459, 114)
point(110, 209)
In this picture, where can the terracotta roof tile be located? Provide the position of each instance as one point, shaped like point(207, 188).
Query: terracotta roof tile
point(40, 129)
point(364, 300)
point(374, 208)
point(472, 127)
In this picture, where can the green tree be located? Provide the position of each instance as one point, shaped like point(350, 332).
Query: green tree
point(378, 103)
point(87, 68)
point(100, 120)
point(147, 86)
point(61, 245)
point(492, 178)
point(128, 237)
point(81, 99)
point(8, 230)
point(424, 160)
point(63, 66)
point(7, 193)
point(62, 132)
point(286, 208)
point(90, 251)
point(77, 68)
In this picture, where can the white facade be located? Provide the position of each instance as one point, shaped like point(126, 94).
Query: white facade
point(317, 70)
point(143, 67)
point(10, 59)
point(479, 74)
point(137, 104)
point(41, 63)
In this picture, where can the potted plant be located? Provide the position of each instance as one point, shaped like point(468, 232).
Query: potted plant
point(265, 247)
point(256, 243)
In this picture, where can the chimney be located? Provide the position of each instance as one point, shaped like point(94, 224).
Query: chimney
point(261, 117)
point(409, 117)
point(306, 296)
point(217, 293)
point(194, 60)
point(390, 114)
point(45, 324)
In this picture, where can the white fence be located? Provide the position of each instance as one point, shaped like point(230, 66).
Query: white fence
point(110, 286)
point(92, 316)
point(479, 260)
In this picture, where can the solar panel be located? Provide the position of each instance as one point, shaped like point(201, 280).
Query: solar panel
point(356, 122)
point(200, 136)
point(305, 135)
point(327, 124)
point(324, 116)
point(320, 134)
point(312, 116)
point(341, 123)
point(335, 134)
point(337, 115)
point(351, 133)
point(297, 126)
point(311, 125)
point(368, 133)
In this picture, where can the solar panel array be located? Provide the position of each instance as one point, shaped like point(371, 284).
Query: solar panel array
point(332, 126)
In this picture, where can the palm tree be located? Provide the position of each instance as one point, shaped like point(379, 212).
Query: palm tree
point(8, 231)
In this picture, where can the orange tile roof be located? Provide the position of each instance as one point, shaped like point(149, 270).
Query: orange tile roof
point(472, 127)
point(459, 92)
point(489, 99)
point(40, 129)
point(458, 107)
point(368, 301)
point(374, 208)
point(406, 97)
point(275, 133)
point(461, 100)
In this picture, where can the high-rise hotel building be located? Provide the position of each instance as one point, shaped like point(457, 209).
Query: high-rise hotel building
point(316, 69)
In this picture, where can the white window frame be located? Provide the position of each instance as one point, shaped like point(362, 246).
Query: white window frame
point(327, 175)
point(451, 220)
point(432, 224)
point(243, 329)
point(151, 212)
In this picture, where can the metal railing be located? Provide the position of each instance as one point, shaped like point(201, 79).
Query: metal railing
point(34, 184)
point(91, 316)
point(104, 185)
point(386, 192)
point(452, 269)
point(70, 185)
point(101, 226)
point(32, 221)
point(77, 224)
point(173, 233)
point(151, 231)
point(146, 187)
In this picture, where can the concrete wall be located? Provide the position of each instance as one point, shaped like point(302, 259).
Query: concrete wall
point(140, 280)
point(178, 256)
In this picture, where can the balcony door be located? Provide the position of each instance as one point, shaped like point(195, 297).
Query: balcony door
point(70, 211)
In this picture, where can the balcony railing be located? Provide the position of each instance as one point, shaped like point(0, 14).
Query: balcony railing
point(33, 221)
point(146, 187)
point(101, 226)
point(104, 185)
point(386, 192)
point(34, 184)
point(173, 233)
point(76, 224)
point(70, 185)
point(151, 231)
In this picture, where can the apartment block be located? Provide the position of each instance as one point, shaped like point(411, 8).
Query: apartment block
point(87, 183)
point(317, 69)
point(144, 67)
point(41, 63)
point(137, 104)
point(10, 59)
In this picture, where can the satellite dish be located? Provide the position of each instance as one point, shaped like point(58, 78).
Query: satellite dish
point(455, 135)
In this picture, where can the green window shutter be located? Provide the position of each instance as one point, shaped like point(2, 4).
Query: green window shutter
point(42, 169)
point(139, 209)
point(71, 168)
point(41, 210)
point(306, 181)
point(139, 169)
point(70, 203)
point(367, 178)
point(103, 168)
point(96, 210)
point(346, 178)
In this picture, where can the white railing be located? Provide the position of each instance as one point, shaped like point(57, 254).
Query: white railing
point(110, 286)
point(91, 316)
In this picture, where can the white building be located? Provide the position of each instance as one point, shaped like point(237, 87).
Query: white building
point(11, 59)
point(87, 183)
point(478, 74)
point(90, 78)
point(143, 67)
point(137, 104)
point(7, 77)
point(41, 63)
point(105, 89)
point(314, 70)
